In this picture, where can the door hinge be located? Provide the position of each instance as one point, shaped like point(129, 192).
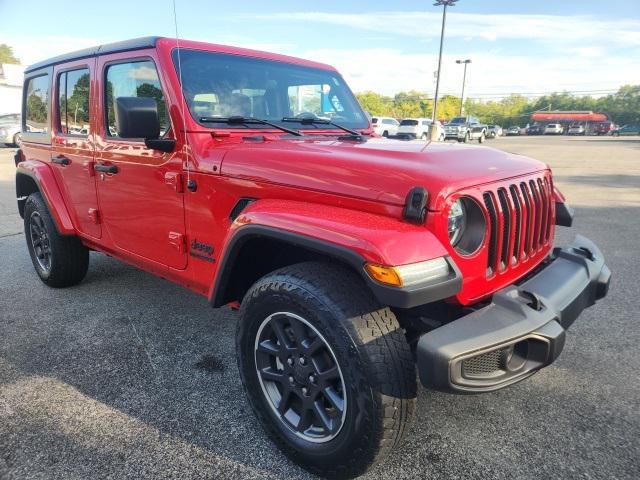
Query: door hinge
point(94, 215)
point(176, 240)
point(174, 180)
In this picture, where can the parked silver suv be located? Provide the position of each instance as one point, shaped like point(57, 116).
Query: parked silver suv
point(10, 129)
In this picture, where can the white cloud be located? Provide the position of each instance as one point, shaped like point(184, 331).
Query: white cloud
point(391, 70)
point(420, 24)
point(34, 48)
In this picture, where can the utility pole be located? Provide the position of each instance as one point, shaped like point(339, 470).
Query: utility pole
point(464, 81)
point(445, 4)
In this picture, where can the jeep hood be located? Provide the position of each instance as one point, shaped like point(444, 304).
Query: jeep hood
point(378, 169)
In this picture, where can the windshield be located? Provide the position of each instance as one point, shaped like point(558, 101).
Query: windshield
point(222, 85)
point(459, 120)
point(408, 123)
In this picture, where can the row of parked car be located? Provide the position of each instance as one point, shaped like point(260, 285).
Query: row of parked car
point(603, 128)
point(462, 129)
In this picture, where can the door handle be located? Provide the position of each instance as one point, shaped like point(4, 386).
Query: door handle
point(100, 167)
point(61, 160)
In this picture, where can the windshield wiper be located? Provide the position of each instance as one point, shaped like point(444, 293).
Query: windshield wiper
point(320, 121)
point(239, 120)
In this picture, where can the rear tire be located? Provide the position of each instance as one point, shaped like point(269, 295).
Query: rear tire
point(364, 340)
point(60, 260)
point(385, 134)
point(17, 140)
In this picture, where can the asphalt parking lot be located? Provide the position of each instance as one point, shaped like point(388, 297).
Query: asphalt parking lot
point(129, 376)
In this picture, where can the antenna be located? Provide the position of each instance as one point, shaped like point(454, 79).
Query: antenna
point(184, 119)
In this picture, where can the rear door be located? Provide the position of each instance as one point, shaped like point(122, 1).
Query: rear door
point(141, 202)
point(73, 146)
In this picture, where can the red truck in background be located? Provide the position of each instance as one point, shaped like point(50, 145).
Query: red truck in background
point(256, 180)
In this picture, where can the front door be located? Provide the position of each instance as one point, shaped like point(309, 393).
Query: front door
point(72, 152)
point(140, 199)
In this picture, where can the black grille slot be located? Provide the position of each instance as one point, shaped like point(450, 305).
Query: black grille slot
point(550, 205)
point(493, 231)
point(538, 216)
point(485, 365)
point(544, 200)
point(530, 220)
point(506, 226)
point(518, 231)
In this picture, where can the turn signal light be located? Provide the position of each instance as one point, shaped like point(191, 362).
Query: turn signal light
point(382, 274)
point(411, 274)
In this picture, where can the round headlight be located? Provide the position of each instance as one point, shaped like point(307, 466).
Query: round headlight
point(457, 222)
point(467, 226)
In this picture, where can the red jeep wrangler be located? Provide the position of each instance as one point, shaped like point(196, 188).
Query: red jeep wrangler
point(256, 180)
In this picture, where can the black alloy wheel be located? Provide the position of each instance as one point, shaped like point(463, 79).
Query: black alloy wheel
point(300, 377)
point(59, 260)
point(40, 241)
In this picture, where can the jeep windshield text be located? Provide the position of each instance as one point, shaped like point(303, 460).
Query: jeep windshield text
point(358, 263)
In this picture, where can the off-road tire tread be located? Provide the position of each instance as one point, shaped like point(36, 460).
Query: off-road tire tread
point(382, 352)
point(70, 257)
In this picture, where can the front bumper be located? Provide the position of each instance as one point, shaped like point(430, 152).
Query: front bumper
point(521, 331)
point(453, 134)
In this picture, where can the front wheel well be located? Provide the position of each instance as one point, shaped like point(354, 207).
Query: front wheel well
point(258, 255)
point(25, 186)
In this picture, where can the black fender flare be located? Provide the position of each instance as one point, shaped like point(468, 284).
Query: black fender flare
point(386, 295)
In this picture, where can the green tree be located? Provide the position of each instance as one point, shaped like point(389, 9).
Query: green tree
point(622, 106)
point(376, 104)
point(6, 55)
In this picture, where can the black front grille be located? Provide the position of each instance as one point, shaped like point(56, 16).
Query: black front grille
point(519, 222)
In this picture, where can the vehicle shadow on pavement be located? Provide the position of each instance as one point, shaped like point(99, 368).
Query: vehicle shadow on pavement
point(127, 375)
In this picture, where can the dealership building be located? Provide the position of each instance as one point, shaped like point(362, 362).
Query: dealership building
point(585, 117)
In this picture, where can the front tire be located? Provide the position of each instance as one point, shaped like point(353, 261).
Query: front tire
point(314, 330)
point(17, 140)
point(60, 261)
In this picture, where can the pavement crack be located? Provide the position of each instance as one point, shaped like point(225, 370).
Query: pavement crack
point(135, 331)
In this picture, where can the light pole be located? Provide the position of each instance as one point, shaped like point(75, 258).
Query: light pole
point(464, 81)
point(445, 4)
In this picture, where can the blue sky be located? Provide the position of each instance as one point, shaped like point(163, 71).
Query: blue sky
point(515, 46)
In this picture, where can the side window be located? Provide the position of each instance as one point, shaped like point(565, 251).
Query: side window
point(133, 79)
point(37, 105)
point(73, 102)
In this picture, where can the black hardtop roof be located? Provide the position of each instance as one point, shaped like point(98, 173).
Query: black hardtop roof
point(126, 45)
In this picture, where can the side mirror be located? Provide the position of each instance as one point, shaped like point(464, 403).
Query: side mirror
point(137, 117)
